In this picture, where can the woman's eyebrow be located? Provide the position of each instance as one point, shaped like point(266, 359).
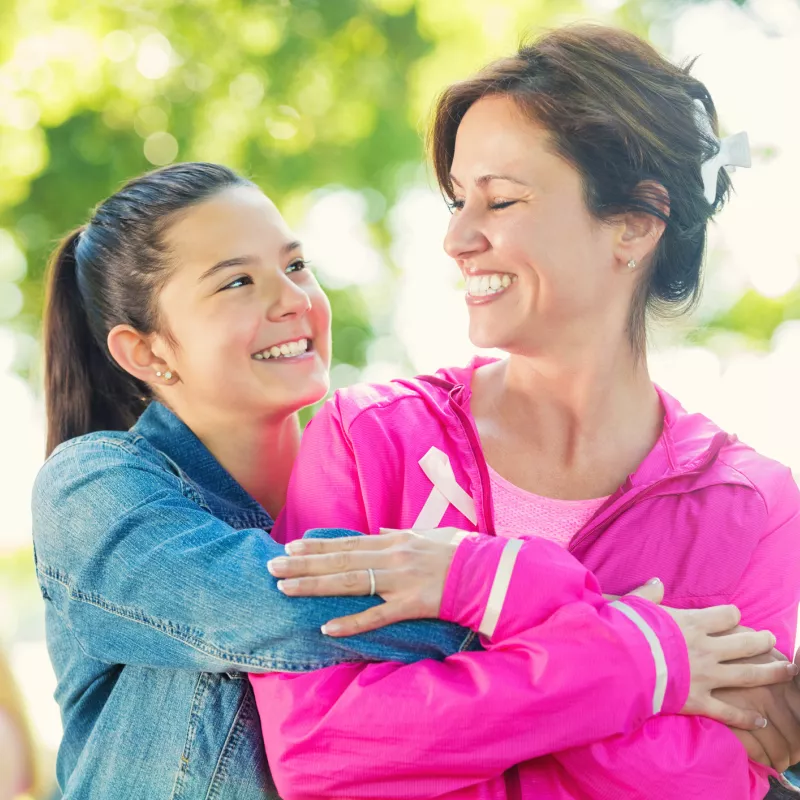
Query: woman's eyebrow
point(482, 180)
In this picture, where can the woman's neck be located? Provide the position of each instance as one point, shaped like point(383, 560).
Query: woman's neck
point(258, 454)
point(591, 420)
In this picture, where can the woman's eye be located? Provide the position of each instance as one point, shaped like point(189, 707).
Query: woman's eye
point(244, 280)
point(501, 204)
point(298, 266)
point(455, 205)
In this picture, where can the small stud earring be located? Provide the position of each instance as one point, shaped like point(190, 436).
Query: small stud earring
point(158, 374)
point(167, 376)
point(632, 264)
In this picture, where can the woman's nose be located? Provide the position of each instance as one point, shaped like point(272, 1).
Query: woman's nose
point(291, 301)
point(464, 236)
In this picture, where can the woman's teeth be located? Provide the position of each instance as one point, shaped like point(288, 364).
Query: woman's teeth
point(483, 285)
point(286, 350)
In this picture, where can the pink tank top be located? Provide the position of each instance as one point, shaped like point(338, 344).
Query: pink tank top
point(520, 515)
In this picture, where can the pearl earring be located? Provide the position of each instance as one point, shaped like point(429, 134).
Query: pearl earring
point(167, 375)
point(632, 264)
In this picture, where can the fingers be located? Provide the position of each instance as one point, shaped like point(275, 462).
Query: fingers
point(775, 747)
point(356, 582)
point(717, 619)
point(328, 564)
point(783, 743)
point(653, 591)
point(752, 675)
point(368, 620)
point(746, 719)
point(338, 544)
point(754, 748)
point(743, 645)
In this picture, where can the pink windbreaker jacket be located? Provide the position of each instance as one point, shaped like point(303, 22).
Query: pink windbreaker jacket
point(574, 697)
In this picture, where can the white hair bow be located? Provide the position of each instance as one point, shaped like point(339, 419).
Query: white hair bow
point(734, 151)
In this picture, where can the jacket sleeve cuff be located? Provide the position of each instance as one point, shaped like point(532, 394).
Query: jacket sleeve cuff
point(469, 580)
point(500, 587)
point(662, 650)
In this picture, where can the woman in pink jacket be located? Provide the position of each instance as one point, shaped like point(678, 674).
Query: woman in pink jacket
point(582, 173)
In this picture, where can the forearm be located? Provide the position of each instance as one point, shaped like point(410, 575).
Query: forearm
point(670, 756)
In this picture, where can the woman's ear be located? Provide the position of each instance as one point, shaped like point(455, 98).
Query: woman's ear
point(133, 352)
point(641, 231)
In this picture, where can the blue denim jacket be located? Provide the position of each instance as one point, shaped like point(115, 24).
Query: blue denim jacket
point(151, 560)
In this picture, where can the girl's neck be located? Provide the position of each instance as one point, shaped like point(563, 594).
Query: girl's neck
point(258, 454)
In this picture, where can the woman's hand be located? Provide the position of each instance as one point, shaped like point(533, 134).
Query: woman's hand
point(724, 656)
point(409, 571)
point(778, 744)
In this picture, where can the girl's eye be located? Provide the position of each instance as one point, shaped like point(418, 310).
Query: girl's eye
point(298, 266)
point(455, 205)
point(244, 280)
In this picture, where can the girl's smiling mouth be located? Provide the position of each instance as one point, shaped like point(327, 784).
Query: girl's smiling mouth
point(285, 350)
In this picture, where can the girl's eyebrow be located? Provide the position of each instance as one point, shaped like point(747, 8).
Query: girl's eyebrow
point(240, 261)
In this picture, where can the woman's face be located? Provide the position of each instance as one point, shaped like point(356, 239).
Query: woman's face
point(541, 272)
point(247, 324)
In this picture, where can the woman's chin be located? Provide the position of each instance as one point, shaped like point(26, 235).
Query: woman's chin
point(485, 338)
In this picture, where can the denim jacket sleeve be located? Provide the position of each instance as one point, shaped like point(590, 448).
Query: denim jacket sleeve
point(141, 573)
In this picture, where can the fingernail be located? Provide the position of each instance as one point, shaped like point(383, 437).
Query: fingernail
point(793, 669)
point(284, 585)
point(296, 548)
point(653, 581)
point(330, 628)
point(774, 639)
point(388, 530)
point(761, 722)
point(277, 565)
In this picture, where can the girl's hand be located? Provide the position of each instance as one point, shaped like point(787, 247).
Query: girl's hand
point(409, 571)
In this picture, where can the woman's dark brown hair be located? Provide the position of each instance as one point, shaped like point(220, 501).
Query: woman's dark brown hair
point(624, 117)
point(106, 273)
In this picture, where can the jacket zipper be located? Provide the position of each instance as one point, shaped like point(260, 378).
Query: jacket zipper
point(480, 461)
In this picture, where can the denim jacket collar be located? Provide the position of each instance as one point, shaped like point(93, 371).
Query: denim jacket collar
point(172, 436)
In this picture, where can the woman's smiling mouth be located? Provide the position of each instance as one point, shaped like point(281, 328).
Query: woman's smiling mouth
point(488, 286)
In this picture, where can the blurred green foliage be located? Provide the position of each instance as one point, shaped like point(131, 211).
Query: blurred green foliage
point(297, 95)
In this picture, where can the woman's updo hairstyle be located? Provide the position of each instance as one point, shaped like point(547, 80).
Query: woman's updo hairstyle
point(622, 115)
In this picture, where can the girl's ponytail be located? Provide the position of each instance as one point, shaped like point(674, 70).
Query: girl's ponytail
point(110, 273)
point(84, 390)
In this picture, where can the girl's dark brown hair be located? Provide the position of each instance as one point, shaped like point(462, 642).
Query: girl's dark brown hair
point(624, 117)
point(106, 273)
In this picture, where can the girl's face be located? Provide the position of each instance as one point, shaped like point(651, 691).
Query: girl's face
point(246, 326)
point(541, 271)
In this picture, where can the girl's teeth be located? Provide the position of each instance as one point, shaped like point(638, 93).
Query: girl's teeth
point(285, 350)
point(483, 285)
